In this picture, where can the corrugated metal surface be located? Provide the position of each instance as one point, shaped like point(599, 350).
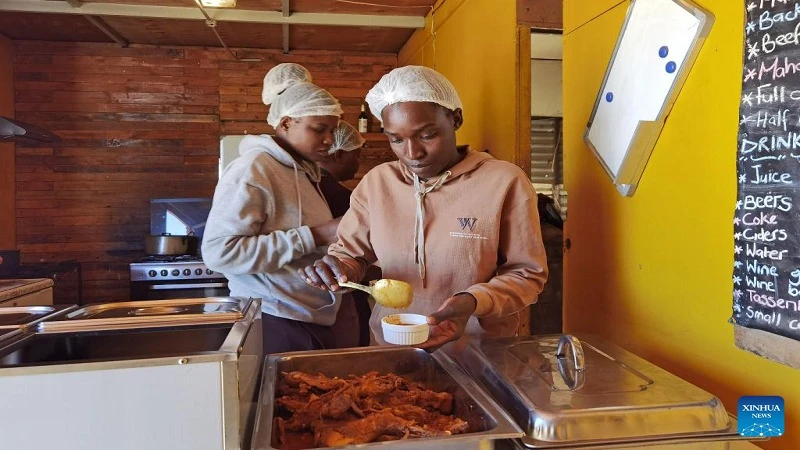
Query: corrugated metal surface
point(547, 160)
point(544, 150)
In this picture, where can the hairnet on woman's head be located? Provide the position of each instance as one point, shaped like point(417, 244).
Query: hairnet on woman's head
point(412, 84)
point(289, 92)
point(281, 77)
point(346, 138)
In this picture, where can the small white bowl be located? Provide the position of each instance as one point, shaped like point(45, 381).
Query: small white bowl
point(405, 329)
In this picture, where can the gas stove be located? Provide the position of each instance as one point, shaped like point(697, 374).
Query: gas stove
point(181, 276)
point(175, 258)
point(171, 268)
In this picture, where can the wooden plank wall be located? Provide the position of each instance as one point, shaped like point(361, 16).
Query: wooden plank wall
point(541, 14)
point(139, 123)
point(8, 230)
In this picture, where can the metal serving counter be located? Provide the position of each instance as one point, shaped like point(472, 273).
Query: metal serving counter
point(140, 377)
point(184, 374)
point(536, 392)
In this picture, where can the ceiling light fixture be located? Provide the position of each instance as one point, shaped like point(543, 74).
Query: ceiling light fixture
point(219, 3)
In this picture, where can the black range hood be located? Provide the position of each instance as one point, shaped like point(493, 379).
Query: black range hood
point(24, 133)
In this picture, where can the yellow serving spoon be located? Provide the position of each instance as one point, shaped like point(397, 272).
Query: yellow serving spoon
point(386, 292)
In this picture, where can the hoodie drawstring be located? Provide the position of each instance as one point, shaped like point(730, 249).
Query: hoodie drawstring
point(315, 181)
point(420, 189)
point(299, 197)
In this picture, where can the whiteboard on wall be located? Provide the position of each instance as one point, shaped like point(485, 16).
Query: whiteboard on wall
point(659, 41)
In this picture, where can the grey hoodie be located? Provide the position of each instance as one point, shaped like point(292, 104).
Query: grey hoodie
point(258, 232)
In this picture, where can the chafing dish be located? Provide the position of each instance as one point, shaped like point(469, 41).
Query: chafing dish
point(15, 318)
point(161, 385)
point(582, 392)
point(123, 315)
point(21, 316)
point(437, 371)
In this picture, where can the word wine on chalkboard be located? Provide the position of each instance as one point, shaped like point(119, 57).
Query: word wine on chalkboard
point(766, 272)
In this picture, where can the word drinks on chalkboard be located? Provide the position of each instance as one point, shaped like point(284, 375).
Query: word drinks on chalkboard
point(766, 273)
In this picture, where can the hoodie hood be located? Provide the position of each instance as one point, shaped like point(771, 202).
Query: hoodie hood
point(472, 160)
point(266, 144)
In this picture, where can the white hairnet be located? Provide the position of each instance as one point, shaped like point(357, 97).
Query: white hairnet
point(289, 92)
point(281, 77)
point(346, 138)
point(412, 84)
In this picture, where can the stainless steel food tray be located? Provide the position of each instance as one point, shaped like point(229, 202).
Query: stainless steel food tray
point(435, 371)
point(14, 317)
point(153, 313)
point(582, 392)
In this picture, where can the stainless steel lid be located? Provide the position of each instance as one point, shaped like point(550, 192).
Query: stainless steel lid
point(16, 319)
point(186, 311)
point(13, 317)
point(566, 391)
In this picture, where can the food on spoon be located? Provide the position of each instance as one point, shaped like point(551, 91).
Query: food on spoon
point(392, 293)
point(386, 292)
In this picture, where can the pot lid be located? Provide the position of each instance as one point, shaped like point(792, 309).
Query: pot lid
point(579, 390)
point(139, 314)
point(15, 131)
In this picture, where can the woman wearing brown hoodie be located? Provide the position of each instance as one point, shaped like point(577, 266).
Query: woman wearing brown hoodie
point(460, 226)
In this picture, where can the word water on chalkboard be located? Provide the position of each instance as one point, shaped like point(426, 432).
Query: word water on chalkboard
point(766, 272)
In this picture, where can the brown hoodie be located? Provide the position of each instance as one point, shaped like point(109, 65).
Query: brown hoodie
point(481, 236)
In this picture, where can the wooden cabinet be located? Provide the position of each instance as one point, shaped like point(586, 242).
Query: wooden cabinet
point(26, 292)
point(38, 298)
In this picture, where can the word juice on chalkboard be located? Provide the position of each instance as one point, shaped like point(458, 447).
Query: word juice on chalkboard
point(766, 272)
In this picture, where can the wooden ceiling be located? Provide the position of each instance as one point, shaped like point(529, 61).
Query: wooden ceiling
point(392, 7)
point(35, 20)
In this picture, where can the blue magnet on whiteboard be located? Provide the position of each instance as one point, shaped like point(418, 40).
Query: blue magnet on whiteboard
point(671, 66)
point(609, 97)
point(663, 51)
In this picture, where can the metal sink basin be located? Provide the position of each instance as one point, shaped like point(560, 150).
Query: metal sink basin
point(73, 347)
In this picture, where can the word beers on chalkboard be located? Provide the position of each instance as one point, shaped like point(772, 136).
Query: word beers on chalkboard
point(766, 272)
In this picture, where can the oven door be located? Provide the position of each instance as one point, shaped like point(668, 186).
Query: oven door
point(165, 290)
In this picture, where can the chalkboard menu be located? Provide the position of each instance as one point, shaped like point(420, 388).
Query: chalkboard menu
point(766, 273)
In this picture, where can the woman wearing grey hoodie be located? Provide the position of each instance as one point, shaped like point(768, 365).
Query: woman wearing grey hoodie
point(269, 218)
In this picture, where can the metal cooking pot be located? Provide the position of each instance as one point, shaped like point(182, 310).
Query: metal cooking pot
point(169, 245)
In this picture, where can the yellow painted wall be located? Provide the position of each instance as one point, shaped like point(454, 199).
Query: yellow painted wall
point(7, 207)
point(653, 272)
point(474, 44)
